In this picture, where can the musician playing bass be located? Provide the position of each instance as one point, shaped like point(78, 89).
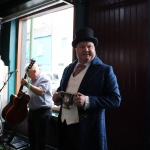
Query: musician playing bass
point(40, 105)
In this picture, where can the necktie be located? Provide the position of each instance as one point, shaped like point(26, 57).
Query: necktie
point(79, 68)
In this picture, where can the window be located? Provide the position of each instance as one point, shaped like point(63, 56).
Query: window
point(47, 39)
point(64, 42)
point(39, 49)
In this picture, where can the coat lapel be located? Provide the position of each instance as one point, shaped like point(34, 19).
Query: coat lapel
point(90, 74)
point(67, 75)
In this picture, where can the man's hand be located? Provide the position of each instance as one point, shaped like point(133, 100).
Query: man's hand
point(79, 100)
point(56, 97)
point(24, 82)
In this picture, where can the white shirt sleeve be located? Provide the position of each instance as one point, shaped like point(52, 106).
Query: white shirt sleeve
point(87, 102)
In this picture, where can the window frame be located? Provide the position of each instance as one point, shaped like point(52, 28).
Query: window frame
point(20, 32)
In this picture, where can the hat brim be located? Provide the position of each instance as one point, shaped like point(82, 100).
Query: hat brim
point(76, 41)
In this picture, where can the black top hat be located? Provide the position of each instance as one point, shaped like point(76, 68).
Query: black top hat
point(84, 34)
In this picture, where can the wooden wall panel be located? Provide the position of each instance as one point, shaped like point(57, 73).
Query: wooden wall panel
point(122, 30)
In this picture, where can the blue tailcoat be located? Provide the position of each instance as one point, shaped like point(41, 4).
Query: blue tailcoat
point(100, 84)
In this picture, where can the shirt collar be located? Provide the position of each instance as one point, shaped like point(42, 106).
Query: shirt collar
point(86, 64)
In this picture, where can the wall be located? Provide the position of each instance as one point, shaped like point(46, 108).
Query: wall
point(8, 51)
point(122, 30)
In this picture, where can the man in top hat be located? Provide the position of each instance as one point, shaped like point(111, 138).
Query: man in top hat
point(82, 125)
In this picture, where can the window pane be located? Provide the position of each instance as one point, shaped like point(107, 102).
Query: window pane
point(48, 40)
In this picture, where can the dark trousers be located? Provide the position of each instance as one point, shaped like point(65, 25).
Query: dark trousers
point(37, 124)
point(68, 136)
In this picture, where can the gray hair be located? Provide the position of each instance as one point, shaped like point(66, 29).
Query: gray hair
point(34, 67)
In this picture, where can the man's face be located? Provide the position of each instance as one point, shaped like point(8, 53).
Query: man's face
point(31, 73)
point(85, 51)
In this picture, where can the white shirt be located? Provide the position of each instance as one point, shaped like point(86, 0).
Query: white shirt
point(71, 115)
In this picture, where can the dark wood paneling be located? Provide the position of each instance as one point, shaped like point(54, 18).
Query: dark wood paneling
point(122, 30)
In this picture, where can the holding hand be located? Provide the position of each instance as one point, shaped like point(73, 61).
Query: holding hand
point(56, 97)
point(79, 100)
point(24, 82)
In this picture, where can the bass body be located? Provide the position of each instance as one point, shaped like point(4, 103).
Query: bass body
point(16, 110)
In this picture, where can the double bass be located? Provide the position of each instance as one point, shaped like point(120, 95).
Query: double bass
point(16, 110)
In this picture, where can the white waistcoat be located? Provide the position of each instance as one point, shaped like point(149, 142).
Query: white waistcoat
point(71, 115)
